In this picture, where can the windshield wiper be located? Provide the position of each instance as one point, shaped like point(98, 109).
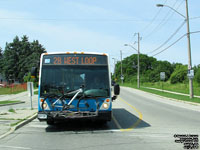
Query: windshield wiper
point(94, 96)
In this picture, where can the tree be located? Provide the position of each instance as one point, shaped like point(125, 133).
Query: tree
point(160, 66)
point(19, 57)
point(150, 68)
point(1, 59)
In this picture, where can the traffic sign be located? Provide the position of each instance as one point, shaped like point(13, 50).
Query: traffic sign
point(122, 77)
point(190, 74)
point(162, 75)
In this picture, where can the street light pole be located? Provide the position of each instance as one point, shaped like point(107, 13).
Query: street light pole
point(188, 39)
point(138, 59)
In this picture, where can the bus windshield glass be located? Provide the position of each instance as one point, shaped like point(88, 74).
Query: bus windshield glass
point(67, 78)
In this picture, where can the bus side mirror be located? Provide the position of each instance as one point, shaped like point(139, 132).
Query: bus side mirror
point(116, 91)
point(33, 72)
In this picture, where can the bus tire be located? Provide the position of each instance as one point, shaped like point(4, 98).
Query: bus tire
point(50, 122)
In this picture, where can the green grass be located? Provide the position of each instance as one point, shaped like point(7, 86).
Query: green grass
point(165, 94)
point(16, 123)
point(12, 110)
point(8, 119)
point(36, 92)
point(179, 87)
point(4, 91)
point(8, 102)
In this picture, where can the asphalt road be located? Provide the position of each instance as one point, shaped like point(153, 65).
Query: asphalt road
point(140, 121)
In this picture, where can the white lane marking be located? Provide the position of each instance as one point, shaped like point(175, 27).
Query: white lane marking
point(14, 147)
point(116, 122)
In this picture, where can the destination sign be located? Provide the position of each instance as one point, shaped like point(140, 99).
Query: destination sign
point(74, 59)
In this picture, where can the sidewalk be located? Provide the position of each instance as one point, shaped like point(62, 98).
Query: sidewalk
point(14, 96)
point(15, 116)
point(170, 92)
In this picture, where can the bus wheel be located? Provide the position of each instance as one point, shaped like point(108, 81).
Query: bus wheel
point(50, 122)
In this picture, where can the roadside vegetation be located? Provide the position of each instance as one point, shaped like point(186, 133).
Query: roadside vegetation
point(176, 79)
point(16, 61)
point(36, 92)
point(165, 94)
point(13, 89)
point(8, 102)
point(12, 110)
point(178, 87)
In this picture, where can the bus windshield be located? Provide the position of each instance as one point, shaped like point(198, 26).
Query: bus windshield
point(69, 78)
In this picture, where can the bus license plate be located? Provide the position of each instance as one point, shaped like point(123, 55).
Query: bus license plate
point(42, 116)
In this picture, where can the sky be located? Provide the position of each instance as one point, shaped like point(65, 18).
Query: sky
point(105, 26)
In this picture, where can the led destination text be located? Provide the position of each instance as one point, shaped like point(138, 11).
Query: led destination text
point(75, 60)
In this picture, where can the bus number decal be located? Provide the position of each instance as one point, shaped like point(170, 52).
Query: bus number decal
point(57, 60)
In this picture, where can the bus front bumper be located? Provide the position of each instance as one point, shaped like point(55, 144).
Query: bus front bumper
point(67, 115)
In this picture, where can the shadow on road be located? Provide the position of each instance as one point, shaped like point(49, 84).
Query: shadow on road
point(124, 118)
point(77, 126)
point(128, 120)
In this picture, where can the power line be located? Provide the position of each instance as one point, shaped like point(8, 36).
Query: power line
point(74, 19)
point(154, 18)
point(175, 42)
point(170, 45)
point(169, 38)
point(194, 18)
point(164, 21)
point(194, 32)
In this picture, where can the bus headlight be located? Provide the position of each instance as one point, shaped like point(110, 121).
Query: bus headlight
point(44, 105)
point(105, 105)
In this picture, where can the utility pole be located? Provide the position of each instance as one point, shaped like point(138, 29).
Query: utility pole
point(189, 50)
point(189, 44)
point(121, 68)
point(138, 71)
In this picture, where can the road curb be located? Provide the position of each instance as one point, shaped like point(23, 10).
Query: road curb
point(173, 99)
point(12, 103)
point(21, 124)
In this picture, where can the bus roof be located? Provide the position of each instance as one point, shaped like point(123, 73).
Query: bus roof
point(70, 52)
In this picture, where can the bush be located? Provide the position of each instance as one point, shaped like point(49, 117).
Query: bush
point(28, 78)
point(197, 76)
point(179, 75)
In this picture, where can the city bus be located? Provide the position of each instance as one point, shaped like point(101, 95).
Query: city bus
point(75, 85)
